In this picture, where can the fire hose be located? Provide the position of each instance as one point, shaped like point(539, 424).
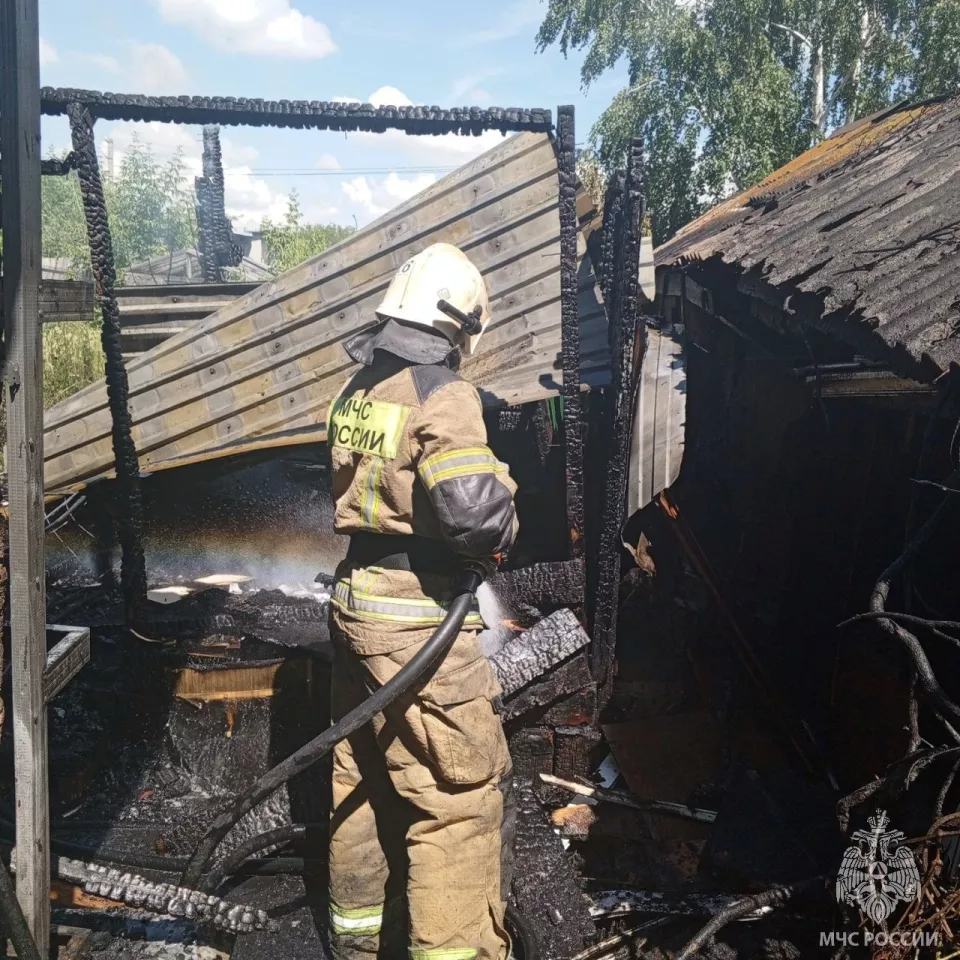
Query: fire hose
point(406, 679)
point(193, 896)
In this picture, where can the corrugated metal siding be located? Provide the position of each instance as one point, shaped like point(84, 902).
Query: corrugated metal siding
point(870, 221)
point(263, 370)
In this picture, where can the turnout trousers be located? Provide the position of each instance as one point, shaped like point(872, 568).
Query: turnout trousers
point(418, 805)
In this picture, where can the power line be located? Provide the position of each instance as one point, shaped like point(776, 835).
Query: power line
point(344, 171)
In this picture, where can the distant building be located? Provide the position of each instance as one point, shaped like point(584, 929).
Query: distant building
point(183, 266)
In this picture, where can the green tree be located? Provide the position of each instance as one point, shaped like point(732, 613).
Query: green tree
point(150, 206)
point(725, 91)
point(290, 242)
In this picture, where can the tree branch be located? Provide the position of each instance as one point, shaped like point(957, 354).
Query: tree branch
point(776, 897)
point(793, 33)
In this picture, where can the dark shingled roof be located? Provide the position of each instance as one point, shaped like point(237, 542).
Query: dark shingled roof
point(868, 225)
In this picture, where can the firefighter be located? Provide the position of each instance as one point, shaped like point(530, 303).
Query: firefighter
point(419, 809)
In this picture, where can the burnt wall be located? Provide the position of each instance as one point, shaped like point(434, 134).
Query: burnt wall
point(799, 504)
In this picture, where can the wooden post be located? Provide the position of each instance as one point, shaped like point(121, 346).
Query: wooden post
point(23, 388)
point(570, 327)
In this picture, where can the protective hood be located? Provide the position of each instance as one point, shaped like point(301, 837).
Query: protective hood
point(413, 344)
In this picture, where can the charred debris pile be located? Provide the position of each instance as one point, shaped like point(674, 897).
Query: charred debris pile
point(763, 709)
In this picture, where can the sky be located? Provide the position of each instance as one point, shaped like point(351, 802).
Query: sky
point(451, 53)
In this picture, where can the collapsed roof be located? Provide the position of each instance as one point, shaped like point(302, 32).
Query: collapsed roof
point(862, 230)
point(263, 370)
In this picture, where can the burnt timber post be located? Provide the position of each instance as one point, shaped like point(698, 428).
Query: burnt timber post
point(133, 574)
point(23, 389)
point(626, 205)
point(570, 327)
point(217, 249)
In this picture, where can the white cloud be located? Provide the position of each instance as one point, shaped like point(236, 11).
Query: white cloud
point(389, 97)
point(267, 27)
point(450, 149)
point(359, 192)
point(157, 69)
point(48, 53)
point(327, 161)
point(101, 60)
point(237, 154)
point(249, 199)
point(469, 86)
point(523, 16)
point(373, 198)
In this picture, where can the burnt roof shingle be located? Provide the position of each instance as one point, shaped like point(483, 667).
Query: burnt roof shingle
point(869, 222)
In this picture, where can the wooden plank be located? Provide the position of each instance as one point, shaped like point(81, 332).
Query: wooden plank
point(66, 300)
point(265, 368)
point(196, 308)
point(231, 683)
point(23, 378)
point(73, 300)
point(78, 946)
point(867, 383)
point(184, 292)
point(659, 418)
point(66, 659)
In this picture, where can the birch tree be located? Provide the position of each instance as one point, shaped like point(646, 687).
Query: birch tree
point(725, 91)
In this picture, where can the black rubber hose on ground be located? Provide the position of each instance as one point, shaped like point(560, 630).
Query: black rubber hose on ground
point(232, 863)
point(14, 922)
point(167, 866)
point(520, 930)
point(406, 680)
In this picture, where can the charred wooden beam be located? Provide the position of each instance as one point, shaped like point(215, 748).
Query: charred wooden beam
point(54, 167)
point(570, 327)
point(574, 747)
point(614, 903)
point(66, 659)
point(611, 239)
point(622, 281)
point(546, 887)
point(576, 709)
point(137, 891)
point(528, 656)
point(299, 114)
point(554, 690)
point(217, 249)
point(531, 749)
point(542, 584)
point(133, 572)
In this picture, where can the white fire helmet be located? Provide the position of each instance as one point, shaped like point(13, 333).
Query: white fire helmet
point(441, 272)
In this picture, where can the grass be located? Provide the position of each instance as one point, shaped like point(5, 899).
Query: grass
point(72, 359)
